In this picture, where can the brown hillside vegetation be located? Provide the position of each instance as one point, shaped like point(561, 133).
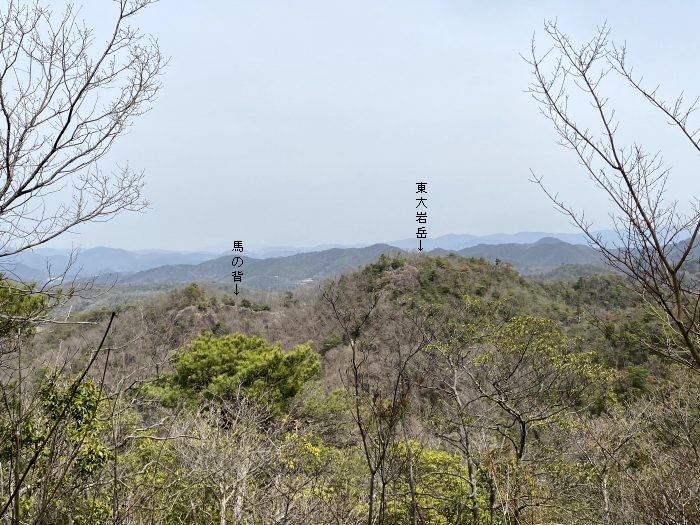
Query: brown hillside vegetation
point(418, 389)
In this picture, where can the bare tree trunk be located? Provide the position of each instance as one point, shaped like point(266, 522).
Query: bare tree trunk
point(370, 494)
point(411, 475)
point(223, 501)
point(492, 500)
point(241, 492)
point(18, 440)
point(606, 500)
point(475, 511)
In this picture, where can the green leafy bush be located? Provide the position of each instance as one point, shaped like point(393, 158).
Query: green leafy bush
point(224, 367)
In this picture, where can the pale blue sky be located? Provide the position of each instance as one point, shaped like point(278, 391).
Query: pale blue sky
point(308, 122)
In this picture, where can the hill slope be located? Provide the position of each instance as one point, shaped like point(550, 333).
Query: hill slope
point(542, 256)
point(280, 273)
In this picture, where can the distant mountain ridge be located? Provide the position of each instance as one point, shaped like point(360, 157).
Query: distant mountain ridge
point(287, 271)
point(542, 256)
point(277, 273)
point(40, 264)
point(457, 242)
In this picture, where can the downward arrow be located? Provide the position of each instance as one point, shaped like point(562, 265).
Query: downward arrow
point(420, 245)
point(236, 292)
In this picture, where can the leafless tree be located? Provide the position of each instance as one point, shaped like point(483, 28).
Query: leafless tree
point(63, 102)
point(225, 455)
point(644, 457)
point(655, 237)
point(603, 442)
point(40, 464)
point(385, 335)
point(64, 99)
point(457, 413)
point(502, 391)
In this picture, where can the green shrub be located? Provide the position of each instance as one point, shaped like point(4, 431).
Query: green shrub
point(224, 367)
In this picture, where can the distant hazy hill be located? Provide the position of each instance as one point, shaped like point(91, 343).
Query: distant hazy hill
point(288, 272)
point(36, 265)
point(279, 273)
point(461, 241)
point(542, 256)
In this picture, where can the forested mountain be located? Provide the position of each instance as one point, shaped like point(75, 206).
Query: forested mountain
point(286, 273)
point(280, 272)
point(446, 388)
point(456, 242)
point(506, 379)
point(544, 255)
point(277, 273)
point(289, 272)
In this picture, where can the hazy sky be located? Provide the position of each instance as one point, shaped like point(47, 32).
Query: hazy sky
point(309, 122)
